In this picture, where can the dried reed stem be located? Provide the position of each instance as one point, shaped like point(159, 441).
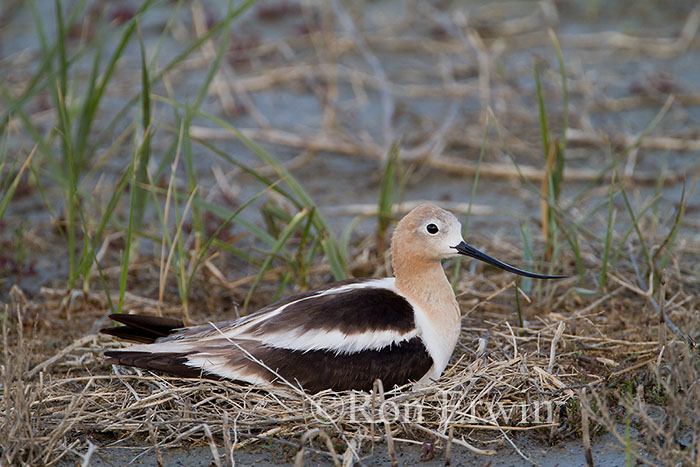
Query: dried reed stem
point(448, 446)
point(553, 346)
point(585, 431)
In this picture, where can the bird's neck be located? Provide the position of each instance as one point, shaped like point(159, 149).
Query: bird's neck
point(418, 278)
point(426, 285)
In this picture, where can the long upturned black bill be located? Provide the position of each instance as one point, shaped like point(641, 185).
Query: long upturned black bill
point(468, 250)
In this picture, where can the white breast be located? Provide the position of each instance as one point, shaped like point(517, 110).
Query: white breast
point(440, 343)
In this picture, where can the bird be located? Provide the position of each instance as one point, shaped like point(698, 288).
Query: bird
point(343, 336)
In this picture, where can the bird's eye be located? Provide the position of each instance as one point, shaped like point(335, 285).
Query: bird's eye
point(432, 229)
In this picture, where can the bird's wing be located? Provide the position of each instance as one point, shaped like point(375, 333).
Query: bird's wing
point(362, 315)
point(341, 337)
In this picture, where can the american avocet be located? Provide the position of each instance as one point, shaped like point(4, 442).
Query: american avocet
point(343, 336)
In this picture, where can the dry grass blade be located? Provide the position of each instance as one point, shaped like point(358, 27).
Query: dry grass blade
point(585, 430)
point(553, 346)
point(667, 433)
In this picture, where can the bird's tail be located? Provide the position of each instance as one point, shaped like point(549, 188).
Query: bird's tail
point(142, 328)
point(147, 330)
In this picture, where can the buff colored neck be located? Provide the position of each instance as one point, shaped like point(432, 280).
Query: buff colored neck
point(424, 282)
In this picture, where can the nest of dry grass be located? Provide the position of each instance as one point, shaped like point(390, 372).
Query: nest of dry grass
point(504, 379)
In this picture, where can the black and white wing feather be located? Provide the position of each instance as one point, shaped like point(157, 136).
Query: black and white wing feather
point(339, 338)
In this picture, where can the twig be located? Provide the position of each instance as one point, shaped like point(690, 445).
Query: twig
point(265, 435)
point(632, 367)
point(212, 445)
point(352, 452)
point(228, 447)
point(576, 136)
point(461, 442)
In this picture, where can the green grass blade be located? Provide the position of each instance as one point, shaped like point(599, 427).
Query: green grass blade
point(635, 225)
point(563, 212)
point(5, 201)
point(145, 155)
point(45, 75)
point(517, 306)
point(542, 110)
point(277, 247)
point(95, 97)
point(163, 35)
point(299, 260)
point(344, 243)
point(329, 244)
point(386, 197)
point(89, 107)
point(564, 86)
point(60, 89)
point(635, 144)
point(112, 204)
point(198, 224)
point(670, 240)
point(249, 170)
point(226, 223)
point(128, 238)
point(62, 53)
point(608, 234)
point(194, 45)
point(216, 63)
point(223, 213)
